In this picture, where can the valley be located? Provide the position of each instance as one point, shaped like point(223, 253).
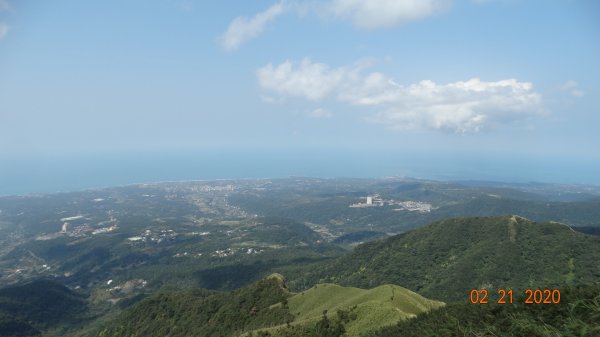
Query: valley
point(119, 248)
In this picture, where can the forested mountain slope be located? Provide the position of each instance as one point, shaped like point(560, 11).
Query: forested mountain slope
point(578, 314)
point(39, 306)
point(447, 259)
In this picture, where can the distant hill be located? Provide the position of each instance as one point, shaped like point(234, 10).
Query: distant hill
point(450, 201)
point(282, 231)
point(447, 259)
point(577, 315)
point(582, 213)
point(38, 306)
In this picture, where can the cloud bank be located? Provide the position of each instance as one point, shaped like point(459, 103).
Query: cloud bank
point(463, 107)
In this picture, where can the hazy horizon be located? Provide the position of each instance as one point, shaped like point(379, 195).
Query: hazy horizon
point(50, 174)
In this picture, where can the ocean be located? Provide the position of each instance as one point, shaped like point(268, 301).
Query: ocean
point(62, 173)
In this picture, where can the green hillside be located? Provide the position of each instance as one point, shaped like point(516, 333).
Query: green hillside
point(39, 306)
point(368, 309)
point(446, 259)
point(578, 314)
point(200, 313)
point(267, 308)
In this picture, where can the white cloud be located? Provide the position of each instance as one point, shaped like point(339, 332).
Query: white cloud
point(307, 79)
point(386, 13)
point(242, 29)
point(370, 14)
point(320, 113)
point(463, 106)
point(572, 88)
point(3, 30)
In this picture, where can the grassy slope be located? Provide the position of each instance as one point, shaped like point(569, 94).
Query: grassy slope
point(377, 307)
point(446, 259)
point(265, 306)
point(372, 308)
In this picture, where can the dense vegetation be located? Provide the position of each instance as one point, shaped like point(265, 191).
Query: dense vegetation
point(266, 307)
point(578, 314)
point(443, 260)
point(41, 305)
point(282, 231)
point(171, 239)
point(446, 259)
point(198, 313)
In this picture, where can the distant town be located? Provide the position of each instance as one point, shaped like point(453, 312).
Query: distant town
point(377, 201)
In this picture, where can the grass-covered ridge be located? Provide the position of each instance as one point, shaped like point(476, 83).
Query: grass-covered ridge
point(268, 308)
point(370, 308)
point(312, 302)
point(446, 259)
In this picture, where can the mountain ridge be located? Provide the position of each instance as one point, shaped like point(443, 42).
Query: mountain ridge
point(446, 259)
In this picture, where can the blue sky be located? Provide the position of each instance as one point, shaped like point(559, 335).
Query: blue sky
point(493, 77)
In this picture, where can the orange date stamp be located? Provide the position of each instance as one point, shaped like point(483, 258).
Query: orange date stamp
point(504, 296)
